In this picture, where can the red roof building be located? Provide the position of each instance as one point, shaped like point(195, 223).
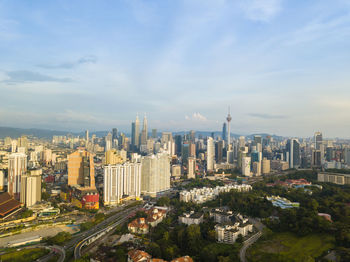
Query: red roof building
point(8, 204)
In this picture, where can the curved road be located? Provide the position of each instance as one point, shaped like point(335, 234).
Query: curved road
point(120, 218)
point(54, 250)
point(251, 240)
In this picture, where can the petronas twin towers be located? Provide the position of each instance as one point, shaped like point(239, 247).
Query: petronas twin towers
point(138, 139)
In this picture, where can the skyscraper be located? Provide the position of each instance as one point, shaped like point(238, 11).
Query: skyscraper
point(154, 133)
point(224, 132)
point(114, 134)
point(108, 142)
point(228, 118)
point(87, 136)
point(219, 147)
point(210, 154)
point(318, 140)
point(135, 134)
point(81, 170)
point(144, 133)
point(293, 153)
point(178, 145)
point(17, 166)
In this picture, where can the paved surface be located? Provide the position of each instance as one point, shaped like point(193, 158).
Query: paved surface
point(116, 219)
point(43, 232)
point(251, 240)
point(54, 250)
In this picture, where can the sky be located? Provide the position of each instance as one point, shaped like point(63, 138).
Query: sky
point(282, 66)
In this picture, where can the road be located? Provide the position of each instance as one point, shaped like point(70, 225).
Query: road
point(251, 240)
point(103, 228)
point(54, 250)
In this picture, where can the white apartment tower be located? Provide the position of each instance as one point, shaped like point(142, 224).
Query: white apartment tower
point(31, 187)
point(121, 180)
point(17, 166)
point(155, 173)
point(210, 153)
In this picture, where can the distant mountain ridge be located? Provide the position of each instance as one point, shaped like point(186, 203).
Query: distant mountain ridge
point(14, 132)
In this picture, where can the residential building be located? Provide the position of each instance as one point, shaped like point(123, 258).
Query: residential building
point(138, 226)
point(81, 170)
point(31, 187)
point(191, 168)
point(155, 174)
point(17, 166)
point(138, 256)
point(335, 178)
point(121, 181)
point(266, 169)
point(228, 233)
point(246, 166)
point(210, 154)
point(191, 218)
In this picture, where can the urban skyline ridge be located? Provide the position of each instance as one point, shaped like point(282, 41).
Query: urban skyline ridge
point(15, 132)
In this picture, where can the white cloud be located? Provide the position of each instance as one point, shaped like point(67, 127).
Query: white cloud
point(196, 117)
point(261, 10)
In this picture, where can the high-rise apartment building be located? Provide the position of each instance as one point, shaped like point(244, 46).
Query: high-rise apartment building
point(81, 170)
point(87, 136)
point(17, 166)
point(191, 168)
point(176, 171)
point(210, 154)
point(241, 141)
point(113, 157)
point(257, 168)
point(246, 166)
point(155, 173)
point(31, 187)
point(108, 142)
point(122, 181)
point(266, 167)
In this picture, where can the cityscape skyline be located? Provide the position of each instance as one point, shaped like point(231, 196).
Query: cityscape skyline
point(279, 74)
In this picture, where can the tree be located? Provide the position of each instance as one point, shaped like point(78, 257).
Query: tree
point(163, 201)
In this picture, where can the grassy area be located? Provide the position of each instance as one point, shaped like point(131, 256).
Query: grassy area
point(25, 255)
point(289, 247)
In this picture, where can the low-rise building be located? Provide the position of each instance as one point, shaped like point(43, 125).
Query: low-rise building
point(335, 178)
point(138, 256)
point(155, 216)
point(191, 218)
point(282, 202)
point(183, 259)
point(221, 216)
point(229, 232)
point(201, 195)
point(138, 226)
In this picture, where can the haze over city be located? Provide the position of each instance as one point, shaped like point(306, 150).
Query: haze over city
point(281, 65)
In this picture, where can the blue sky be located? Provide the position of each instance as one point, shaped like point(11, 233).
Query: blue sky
point(282, 65)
